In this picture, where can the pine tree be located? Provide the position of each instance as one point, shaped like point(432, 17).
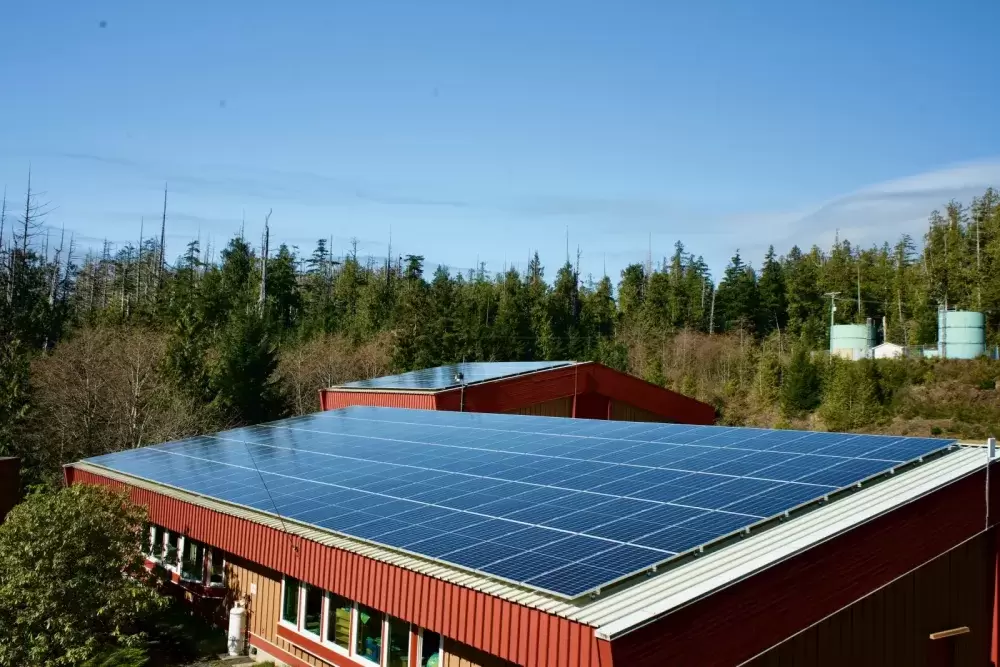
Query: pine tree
point(800, 384)
point(773, 312)
point(187, 352)
point(738, 297)
point(631, 290)
point(244, 378)
point(851, 397)
point(15, 395)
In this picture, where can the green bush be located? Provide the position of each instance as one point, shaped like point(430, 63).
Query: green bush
point(72, 581)
point(119, 657)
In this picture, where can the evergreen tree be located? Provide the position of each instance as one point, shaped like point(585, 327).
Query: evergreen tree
point(413, 347)
point(186, 357)
point(800, 384)
point(15, 396)
point(773, 313)
point(851, 396)
point(737, 299)
point(284, 301)
point(244, 378)
point(631, 290)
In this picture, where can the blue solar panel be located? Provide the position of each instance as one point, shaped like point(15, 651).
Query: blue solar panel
point(565, 506)
point(444, 377)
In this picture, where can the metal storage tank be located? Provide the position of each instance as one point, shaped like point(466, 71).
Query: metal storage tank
point(852, 341)
point(961, 334)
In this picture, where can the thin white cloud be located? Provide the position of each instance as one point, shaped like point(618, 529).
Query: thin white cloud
point(872, 215)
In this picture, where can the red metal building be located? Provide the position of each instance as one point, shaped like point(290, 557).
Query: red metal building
point(10, 484)
point(903, 572)
point(587, 390)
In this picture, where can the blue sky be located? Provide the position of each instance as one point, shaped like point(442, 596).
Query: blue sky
point(486, 129)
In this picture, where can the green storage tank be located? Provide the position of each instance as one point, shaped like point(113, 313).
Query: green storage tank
point(852, 341)
point(961, 334)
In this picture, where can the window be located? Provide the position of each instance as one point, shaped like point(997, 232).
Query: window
point(147, 540)
point(399, 643)
point(430, 649)
point(172, 555)
point(216, 569)
point(313, 613)
point(338, 621)
point(159, 538)
point(368, 644)
point(193, 560)
point(290, 602)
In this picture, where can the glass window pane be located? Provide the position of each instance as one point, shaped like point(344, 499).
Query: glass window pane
point(173, 548)
point(430, 649)
point(314, 610)
point(338, 625)
point(216, 567)
point(158, 548)
point(399, 643)
point(193, 562)
point(290, 605)
point(369, 643)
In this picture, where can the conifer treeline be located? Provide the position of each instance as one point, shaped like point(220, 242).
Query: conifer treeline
point(224, 323)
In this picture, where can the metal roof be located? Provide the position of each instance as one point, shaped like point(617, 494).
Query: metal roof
point(440, 378)
point(618, 612)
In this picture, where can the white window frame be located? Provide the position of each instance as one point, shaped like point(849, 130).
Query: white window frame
point(180, 561)
point(176, 565)
point(209, 552)
point(281, 608)
point(386, 637)
point(326, 639)
point(356, 626)
point(302, 611)
point(420, 648)
point(157, 556)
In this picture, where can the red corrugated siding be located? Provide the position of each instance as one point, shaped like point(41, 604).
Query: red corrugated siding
point(592, 406)
point(740, 622)
point(332, 399)
point(595, 385)
point(10, 485)
point(650, 397)
point(462, 614)
point(580, 379)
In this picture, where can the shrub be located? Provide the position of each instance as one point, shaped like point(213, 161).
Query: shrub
point(71, 578)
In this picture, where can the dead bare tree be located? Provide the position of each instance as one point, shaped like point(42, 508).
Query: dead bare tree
point(163, 238)
point(263, 261)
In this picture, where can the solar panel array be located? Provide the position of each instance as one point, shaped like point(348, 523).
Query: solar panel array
point(564, 506)
point(444, 377)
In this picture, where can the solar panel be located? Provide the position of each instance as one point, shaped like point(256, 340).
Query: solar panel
point(445, 377)
point(563, 506)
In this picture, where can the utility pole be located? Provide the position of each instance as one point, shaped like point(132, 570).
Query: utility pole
point(138, 267)
point(833, 309)
point(711, 315)
point(979, 286)
point(859, 288)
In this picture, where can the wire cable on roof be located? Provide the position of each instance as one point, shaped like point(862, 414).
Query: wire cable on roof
point(284, 529)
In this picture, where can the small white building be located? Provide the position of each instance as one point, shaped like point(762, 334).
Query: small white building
point(887, 351)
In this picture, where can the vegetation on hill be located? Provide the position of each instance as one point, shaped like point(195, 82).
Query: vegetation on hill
point(113, 350)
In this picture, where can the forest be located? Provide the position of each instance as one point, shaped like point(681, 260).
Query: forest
point(123, 347)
